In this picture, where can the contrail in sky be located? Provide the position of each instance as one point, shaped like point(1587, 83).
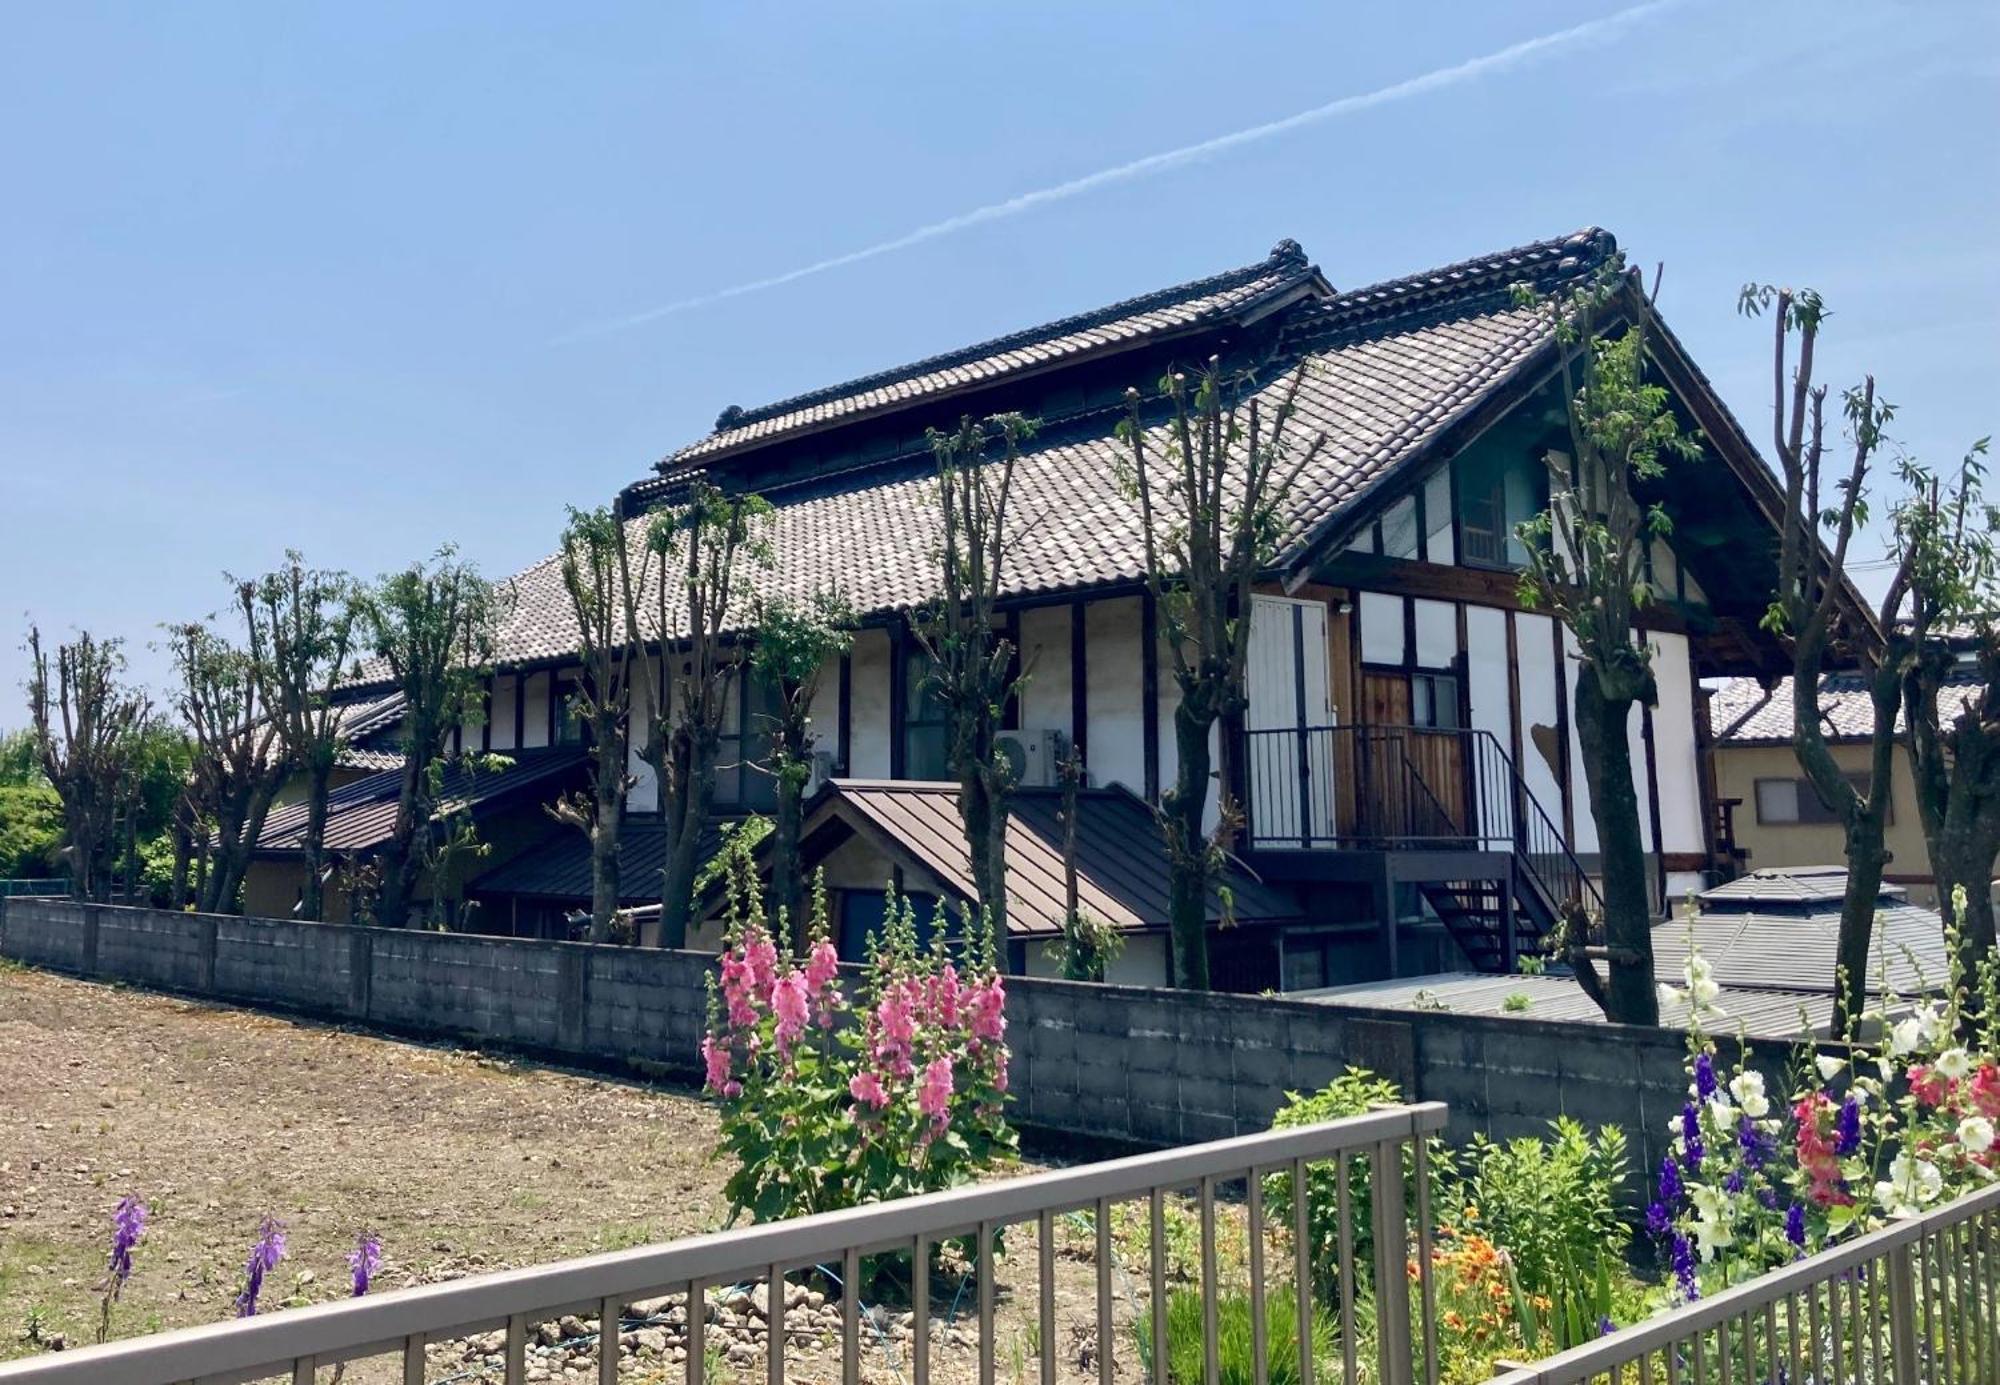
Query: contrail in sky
point(1500, 60)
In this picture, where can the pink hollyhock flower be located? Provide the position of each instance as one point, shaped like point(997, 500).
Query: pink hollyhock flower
point(988, 1004)
point(761, 955)
point(934, 1096)
point(866, 1088)
point(895, 1031)
point(944, 996)
point(739, 994)
point(715, 1056)
point(788, 1002)
point(822, 969)
point(1983, 1091)
point(1815, 1114)
point(1929, 1088)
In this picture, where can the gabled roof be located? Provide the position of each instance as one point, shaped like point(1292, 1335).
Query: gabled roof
point(1390, 369)
point(1743, 713)
point(1235, 295)
point(361, 816)
point(1121, 862)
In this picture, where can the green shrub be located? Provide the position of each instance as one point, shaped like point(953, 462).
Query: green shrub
point(1186, 1358)
point(31, 829)
point(1350, 1094)
point(1552, 1204)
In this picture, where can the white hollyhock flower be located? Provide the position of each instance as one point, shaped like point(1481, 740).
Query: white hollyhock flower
point(1830, 1067)
point(1711, 1236)
point(1975, 1133)
point(1670, 996)
point(1954, 1063)
point(1704, 993)
point(1907, 1036)
point(1911, 1184)
point(1697, 969)
point(1747, 1086)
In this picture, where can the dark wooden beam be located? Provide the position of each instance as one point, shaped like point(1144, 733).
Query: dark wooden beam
point(843, 735)
point(898, 677)
point(1149, 692)
point(1079, 684)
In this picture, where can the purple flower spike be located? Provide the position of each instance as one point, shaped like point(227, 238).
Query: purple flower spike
point(1847, 1133)
point(1795, 1226)
point(1670, 1181)
point(1704, 1076)
point(1658, 1219)
point(1605, 1327)
point(264, 1257)
point(128, 1224)
point(364, 1260)
point(1684, 1271)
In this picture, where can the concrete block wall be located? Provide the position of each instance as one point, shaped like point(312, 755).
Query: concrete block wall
point(1148, 1066)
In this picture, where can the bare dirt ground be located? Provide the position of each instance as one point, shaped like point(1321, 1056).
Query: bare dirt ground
point(460, 1162)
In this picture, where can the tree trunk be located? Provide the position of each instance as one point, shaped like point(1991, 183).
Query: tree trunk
point(183, 858)
point(312, 902)
point(1188, 857)
point(985, 818)
point(605, 827)
point(397, 859)
point(1614, 807)
point(694, 776)
point(788, 905)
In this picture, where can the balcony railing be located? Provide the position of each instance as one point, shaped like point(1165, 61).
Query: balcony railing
point(1217, 1188)
point(1403, 788)
point(1917, 1303)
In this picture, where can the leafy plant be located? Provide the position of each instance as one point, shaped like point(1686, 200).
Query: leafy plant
point(907, 1098)
point(1187, 1343)
point(1552, 1203)
point(1517, 1003)
point(1350, 1094)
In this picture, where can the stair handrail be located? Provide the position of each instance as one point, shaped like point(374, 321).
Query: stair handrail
point(1530, 807)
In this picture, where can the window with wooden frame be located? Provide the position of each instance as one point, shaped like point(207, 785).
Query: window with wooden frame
point(1794, 802)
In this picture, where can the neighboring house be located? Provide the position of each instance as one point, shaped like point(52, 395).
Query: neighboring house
point(1409, 770)
point(1775, 816)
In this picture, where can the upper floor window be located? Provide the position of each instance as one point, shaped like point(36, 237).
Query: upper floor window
point(926, 726)
point(568, 724)
point(742, 761)
point(1498, 490)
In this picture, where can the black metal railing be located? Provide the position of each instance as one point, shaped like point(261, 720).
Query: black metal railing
point(1403, 787)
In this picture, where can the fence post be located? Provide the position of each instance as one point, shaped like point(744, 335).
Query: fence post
point(1395, 1343)
point(1902, 1316)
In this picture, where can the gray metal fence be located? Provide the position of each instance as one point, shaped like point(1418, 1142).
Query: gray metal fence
point(1917, 1303)
point(1243, 1290)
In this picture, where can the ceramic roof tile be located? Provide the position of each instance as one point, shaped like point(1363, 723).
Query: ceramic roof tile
point(1744, 714)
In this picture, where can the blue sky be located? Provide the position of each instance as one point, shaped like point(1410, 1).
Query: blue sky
point(360, 279)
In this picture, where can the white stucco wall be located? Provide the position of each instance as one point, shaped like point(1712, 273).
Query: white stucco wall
point(1674, 751)
point(1114, 687)
point(1492, 707)
point(1045, 702)
point(503, 712)
point(869, 726)
point(535, 721)
point(1534, 642)
point(1142, 963)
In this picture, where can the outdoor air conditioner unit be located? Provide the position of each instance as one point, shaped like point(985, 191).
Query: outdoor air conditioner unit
point(1036, 755)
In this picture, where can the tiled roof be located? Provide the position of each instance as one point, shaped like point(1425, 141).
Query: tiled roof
point(361, 815)
point(369, 717)
point(1389, 368)
point(373, 761)
point(1233, 295)
point(1743, 714)
point(1121, 863)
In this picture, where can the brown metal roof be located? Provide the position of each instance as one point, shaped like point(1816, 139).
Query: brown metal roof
point(1121, 863)
point(360, 816)
point(560, 868)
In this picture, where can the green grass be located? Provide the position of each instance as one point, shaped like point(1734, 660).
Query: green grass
point(1185, 1347)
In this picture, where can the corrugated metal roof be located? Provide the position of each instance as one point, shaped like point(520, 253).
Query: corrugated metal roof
point(560, 868)
point(1121, 862)
point(1782, 886)
point(361, 815)
point(1796, 951)
point(1762, 1013)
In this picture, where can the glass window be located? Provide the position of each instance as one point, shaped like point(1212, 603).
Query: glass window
point(742, 776)
point(1399, 529)
point(1383, 637)
point(1437, 516)
point(1789, 802)
point(1434, 700)
point(569, 726)
point(1497, 491)
point(862, 913)
point(926, 732)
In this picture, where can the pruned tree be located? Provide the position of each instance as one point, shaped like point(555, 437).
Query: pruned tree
point(1953, 618)
point(795, 641)
point(432, 624)
point(310, 615)
point(86, 722)
point(227, 697)
point(1815, 608)
point(1087, 945)
point(595, 566)
point(1587, 565)
point(972, 667)
point(1212, 487)
point(701, 546)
